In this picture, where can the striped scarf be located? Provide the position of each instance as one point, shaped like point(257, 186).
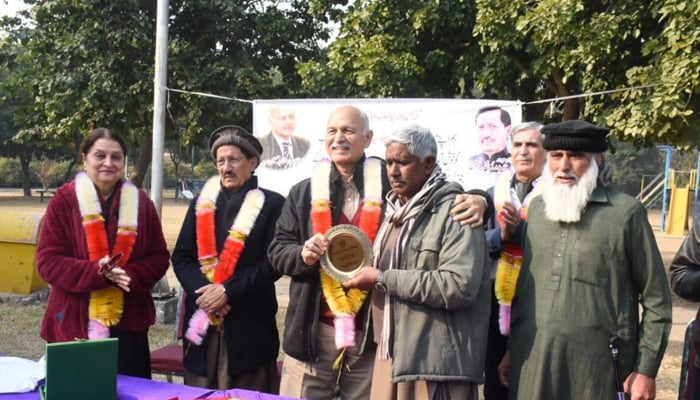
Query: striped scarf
point(402, 216)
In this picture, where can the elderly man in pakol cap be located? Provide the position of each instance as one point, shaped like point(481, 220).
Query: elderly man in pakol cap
point(590, 261)
point(220, 260)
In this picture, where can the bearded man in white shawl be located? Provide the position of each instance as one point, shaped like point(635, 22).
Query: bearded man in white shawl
point(430, 304)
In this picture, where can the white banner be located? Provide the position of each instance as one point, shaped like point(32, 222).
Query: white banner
point(465, 153)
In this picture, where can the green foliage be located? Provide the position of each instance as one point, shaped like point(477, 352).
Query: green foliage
point(10, 173)
point(525, 50)
point(13, 96)
point(204, 170)
point(394, 48)
point(561, 48)
point(81, 65)
point(684, 160)
point(668, 110)
point(244, 49)
point(45, 173)
point(87, 64)
point(630, 165)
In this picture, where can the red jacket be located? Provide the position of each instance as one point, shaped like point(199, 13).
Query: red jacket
point(63, 262)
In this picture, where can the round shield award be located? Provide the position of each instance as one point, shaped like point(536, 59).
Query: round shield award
point(349, 250)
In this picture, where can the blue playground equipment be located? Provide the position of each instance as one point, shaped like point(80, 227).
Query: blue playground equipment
point(675, 204)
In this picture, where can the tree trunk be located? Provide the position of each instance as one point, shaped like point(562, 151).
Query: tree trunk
point(535, 112)
point(77, 159)
point(26, 175)
point(571, 109)
point(68, 174)
point(559, 88)
point(143, 161)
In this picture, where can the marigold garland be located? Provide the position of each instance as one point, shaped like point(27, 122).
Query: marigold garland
point(344, 303)
point(217, 268)
point(511, 258)
point(106, 305)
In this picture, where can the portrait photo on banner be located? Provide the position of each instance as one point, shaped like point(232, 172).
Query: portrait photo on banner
point(473, 135)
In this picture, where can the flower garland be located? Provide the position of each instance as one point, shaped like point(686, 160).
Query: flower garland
point(345, 304)
point(106, 305)
point(511, 258)
point(217, 268)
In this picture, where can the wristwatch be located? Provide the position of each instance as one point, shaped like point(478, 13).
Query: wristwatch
point(380, 284)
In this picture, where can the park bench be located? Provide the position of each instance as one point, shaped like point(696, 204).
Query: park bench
point(45, 192)
point(190, 189)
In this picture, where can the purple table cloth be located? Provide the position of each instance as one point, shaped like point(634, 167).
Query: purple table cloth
point(131, 388)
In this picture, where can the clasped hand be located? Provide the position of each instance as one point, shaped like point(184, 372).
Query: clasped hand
point(116, 275)
point(213, 299)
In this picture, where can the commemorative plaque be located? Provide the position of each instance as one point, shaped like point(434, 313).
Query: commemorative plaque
point(349, 250)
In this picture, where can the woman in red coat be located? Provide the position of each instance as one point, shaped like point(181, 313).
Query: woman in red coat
point(101, 249)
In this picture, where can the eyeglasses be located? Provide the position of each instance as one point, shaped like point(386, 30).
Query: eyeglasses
point(229, 160)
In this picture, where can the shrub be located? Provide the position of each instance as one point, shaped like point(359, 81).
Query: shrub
point(10, 173)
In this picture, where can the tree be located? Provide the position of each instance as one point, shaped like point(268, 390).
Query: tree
point(9, 148)
point(570, 47)
point(394, 48)
point(90, 64)
point(46, 170)
point(14, 97)
point(525, 50)
point(86, 65)
point(243, 49)
point(630, 165)
point(667, 110)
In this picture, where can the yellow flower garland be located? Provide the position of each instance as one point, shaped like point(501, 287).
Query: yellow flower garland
point(511, 258)
point(106, 305)
point(339, 301)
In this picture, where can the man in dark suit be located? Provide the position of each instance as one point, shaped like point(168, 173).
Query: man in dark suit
point(281, 148)
point(493, 127)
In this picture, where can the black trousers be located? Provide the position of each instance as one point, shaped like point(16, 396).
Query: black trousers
point(495, 350)
point(134, 353)
point(693, 387)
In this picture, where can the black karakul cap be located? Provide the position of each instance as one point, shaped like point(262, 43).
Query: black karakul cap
point(237, 136)
point(575, 135)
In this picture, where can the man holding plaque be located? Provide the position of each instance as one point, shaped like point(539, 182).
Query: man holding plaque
point(327, 349)
point(430, 304)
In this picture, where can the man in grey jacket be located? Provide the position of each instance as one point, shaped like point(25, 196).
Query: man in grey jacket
point(430, 304)
point(309, 345)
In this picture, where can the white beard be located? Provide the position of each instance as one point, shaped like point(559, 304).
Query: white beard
point(566, 203)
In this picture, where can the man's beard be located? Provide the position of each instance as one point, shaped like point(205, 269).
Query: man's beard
point(566, 203)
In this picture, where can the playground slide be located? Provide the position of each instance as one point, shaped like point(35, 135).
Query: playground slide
point(677, 221)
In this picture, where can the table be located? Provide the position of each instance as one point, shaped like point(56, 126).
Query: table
point(131, 388)
point(45, 192)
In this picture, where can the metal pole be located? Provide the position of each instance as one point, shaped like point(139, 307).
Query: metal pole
point(664, 202)
point(192, 160)
point(697, 187)
point(160, 83)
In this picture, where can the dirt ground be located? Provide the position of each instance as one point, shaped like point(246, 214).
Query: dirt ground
point(19, 328)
